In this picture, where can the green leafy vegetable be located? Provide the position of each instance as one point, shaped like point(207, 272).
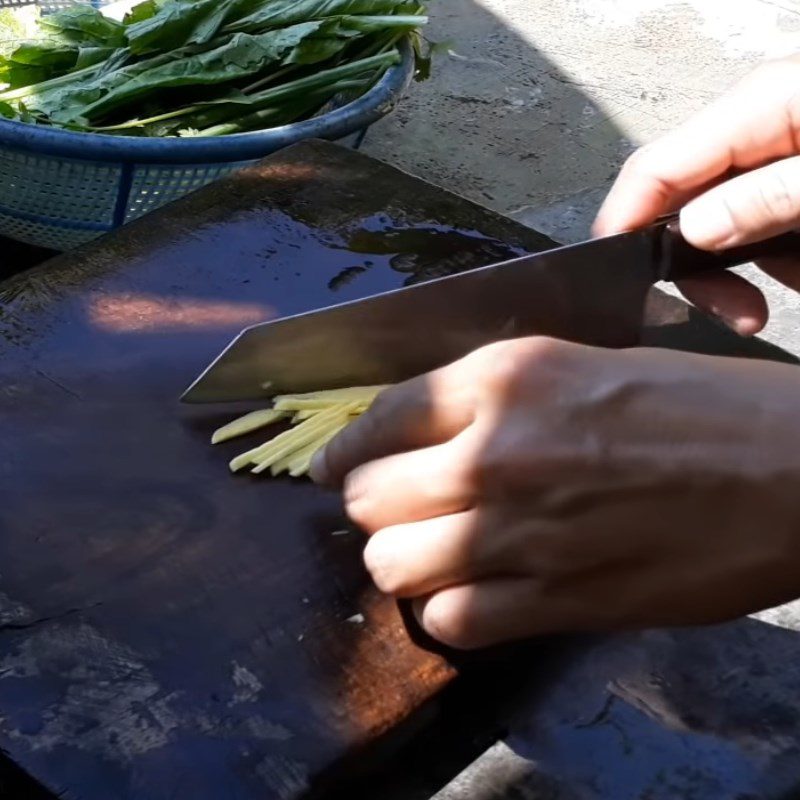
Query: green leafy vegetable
point(204, 67)
point(84, 25)
point(296, 89)
point(182, 22)
point(242, 56)
point(288, 12)
point(141, 12)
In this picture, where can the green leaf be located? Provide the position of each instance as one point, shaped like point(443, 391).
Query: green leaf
point(243, 56)
point(7, 111)
point(179, 65)
point(182, 22)
point(298, 89)
point(88, 56)
point(66, 98)
point(84, 24)
point(50, 85)
point(46, 53)
point(142, 11)
point(18, 75)
point(278, 13)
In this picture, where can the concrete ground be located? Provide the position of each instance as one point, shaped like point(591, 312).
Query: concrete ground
point(533, 112)
point(538, 103)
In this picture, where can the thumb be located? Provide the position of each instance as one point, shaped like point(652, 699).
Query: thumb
point(750, 208)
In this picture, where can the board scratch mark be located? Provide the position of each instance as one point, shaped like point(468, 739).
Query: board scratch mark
point(57, 383)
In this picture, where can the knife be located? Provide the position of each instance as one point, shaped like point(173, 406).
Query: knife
point(594, 292)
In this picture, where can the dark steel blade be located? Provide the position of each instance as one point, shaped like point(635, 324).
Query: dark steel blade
point(593, 292)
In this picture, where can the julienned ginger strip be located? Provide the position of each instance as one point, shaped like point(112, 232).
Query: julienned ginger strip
point(316, 417)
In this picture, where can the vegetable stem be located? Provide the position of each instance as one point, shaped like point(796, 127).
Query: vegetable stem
point(140, 123)
point(287, 90)
point(260, 84)
point(26, 91)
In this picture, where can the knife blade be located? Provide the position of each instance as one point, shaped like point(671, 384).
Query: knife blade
point(593, 292)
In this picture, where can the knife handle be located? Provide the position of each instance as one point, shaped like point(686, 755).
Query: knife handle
point(678, 259)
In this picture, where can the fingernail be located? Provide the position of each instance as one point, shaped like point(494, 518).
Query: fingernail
point(318, 471)
point(729, 322)
point(744, 326)
point(707, 223)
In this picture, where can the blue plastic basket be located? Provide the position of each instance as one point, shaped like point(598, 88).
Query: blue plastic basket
point(60, 189)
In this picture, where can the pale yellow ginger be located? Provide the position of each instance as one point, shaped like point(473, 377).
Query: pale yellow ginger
point(317, 418)
point(307, 433)
point(299, 462)
point(247, 424)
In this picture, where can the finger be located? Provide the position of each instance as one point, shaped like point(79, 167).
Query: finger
point(730, 298)
point(416, 559)
point(756, 206)
point(490, 612)
point(755, 123)
point(413, 486)
point(422, 412)
point(622, 211)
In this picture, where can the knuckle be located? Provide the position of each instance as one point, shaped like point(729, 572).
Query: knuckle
point(452, 477)
point(731, 207)
point(507, 364)
point(497, 469)
point(544, 350)
point(452, 468)
point(777, 200)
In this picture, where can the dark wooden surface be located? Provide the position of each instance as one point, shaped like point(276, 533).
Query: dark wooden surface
point(168, 631)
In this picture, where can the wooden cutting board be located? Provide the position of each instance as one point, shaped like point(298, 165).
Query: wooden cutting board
point(168, 630)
